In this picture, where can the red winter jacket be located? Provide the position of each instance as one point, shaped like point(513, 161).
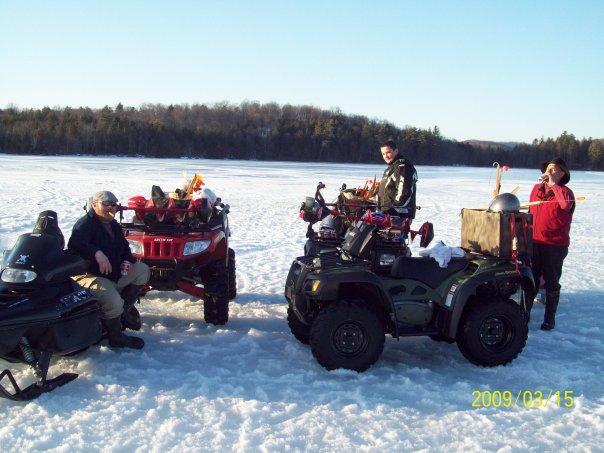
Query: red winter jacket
point(551, 220)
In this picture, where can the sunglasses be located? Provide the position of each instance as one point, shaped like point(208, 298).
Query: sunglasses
point(108, 204)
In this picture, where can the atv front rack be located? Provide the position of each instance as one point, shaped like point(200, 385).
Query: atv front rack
point(353, 209)
point(172, 226)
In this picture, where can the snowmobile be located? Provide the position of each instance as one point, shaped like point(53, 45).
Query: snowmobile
point(42, 312)
point(350, 206)
point(184, 239)
point(342, 307)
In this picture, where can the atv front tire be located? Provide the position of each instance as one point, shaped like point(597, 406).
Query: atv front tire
point(216, 303)
point(492, 334)
point(232, 275)
point(216, 310)
point(347, 335)
point(299, 330)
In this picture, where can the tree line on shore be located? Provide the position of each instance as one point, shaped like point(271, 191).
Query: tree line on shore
point(251, 130)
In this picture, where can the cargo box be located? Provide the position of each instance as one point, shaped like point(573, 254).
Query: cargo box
point(492, 233)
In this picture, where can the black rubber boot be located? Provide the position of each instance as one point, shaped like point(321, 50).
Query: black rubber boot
point(551, 305)
point(131, 294)
point(131, 317)
point(116, 337)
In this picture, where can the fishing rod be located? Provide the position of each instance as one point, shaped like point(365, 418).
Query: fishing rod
point(499, 169)
point(578, 199)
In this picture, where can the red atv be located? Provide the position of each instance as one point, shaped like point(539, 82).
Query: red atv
point(185, 243)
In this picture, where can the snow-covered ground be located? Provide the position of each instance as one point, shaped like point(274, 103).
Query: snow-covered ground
point(250, 385)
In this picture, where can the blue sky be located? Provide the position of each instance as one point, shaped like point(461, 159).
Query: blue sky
point(505, 70)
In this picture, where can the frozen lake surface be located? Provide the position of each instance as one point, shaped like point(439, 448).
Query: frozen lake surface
point(250, 385)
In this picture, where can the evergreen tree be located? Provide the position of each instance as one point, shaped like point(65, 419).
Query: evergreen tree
point(260, 131)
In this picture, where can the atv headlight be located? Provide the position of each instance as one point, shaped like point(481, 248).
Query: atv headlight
point(136, 247)
point(194, 247)
point(10, 275)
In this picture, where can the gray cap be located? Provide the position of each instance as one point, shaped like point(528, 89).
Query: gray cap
point(104, 195)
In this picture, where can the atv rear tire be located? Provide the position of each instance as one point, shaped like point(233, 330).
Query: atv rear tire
point(232, 275)
point(492, 334)
point(347, 335)
point(216, 310)
point(299, 330)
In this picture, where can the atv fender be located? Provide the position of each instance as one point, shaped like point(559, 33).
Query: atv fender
point(336, 287)
point(462, 295)
point(528, 282)
point(524, 278)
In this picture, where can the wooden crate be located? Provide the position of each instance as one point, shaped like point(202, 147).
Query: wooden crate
point(490, 233)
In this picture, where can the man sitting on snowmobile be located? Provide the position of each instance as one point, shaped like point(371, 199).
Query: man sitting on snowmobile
point(397, 189)
point(98, 238)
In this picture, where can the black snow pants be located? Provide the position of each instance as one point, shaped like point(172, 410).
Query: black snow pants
point(547, 263)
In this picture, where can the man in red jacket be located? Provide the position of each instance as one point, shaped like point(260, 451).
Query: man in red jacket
point(552, 215)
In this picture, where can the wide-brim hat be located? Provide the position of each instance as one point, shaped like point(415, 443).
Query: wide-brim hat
point(559, 162)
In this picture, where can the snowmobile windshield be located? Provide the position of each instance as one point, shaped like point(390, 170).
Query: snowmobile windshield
point(42, 254)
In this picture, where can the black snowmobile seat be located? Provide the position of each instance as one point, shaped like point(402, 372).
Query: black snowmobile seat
point(70, 265)
point(426, 270)
point(48, 223)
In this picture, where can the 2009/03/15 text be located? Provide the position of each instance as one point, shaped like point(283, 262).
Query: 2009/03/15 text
point(523, 398)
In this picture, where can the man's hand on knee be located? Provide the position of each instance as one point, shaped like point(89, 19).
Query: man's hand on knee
point(103, 262)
